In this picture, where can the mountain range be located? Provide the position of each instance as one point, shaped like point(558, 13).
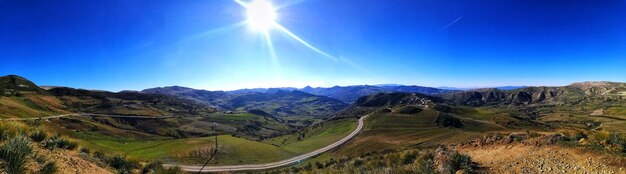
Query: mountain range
point(278, 102)
point(576, 93)
point(21, 96)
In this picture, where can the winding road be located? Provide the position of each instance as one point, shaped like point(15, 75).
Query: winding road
point(274, 164)
point(191, 168)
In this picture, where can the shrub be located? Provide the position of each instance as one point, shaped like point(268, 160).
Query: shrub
point(579, 136)
point(38, 135)
point(424, 163)
point(85, 150)
point(58, 142)
point(49, 168)
point(392, 159)
point(100, 156)
point(409, 156)
point(11, 129)
point(122, 165)
point(461, 162)
point(156, 167)
point(319, 165)
point(615, 138)
point(308, 167)
point(15, 153)
point(40, 159)
point(357, 163)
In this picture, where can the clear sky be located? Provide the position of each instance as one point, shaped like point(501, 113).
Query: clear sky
point(136, 44)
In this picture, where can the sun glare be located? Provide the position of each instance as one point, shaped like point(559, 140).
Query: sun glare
point(261, 15)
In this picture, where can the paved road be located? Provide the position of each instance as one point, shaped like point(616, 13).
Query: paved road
point(274, 164)
point(222, 168)
point(84, 114)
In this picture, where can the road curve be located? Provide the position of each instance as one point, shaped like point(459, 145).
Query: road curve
point(274, 164)
point(221, 168)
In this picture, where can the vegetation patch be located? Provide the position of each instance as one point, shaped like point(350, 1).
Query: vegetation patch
point(430, 160)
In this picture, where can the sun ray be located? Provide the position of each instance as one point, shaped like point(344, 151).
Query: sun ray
point(243, 4)
point(290, 3)
point(286, 31)
point(270, 46)
point(214, 32)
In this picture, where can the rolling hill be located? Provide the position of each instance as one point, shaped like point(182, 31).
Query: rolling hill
point(279, 103)
point(400, 120)
point(23, 98)
point(350, 94)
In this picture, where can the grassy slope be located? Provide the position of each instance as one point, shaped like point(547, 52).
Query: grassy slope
point(315, 138)
point(232, 150)
point(30, 106)
point(390, 130)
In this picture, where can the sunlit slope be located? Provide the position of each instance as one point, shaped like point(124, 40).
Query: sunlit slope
point(315, 136)
point(428, 127)
point(186, 141)
point(399, 120)
point(21, 98)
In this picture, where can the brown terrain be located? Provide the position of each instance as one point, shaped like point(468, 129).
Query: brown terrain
point(538, 155)
point(70, 161)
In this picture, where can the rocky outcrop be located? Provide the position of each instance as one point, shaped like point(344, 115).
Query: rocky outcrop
point(571, 94)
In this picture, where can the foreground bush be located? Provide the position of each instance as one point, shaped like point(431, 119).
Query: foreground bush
point(48, 168)
point(58, 142)
point(38, 135)
point(156, 167)
point(11, 129)
point(425, 161)
point(15, 153)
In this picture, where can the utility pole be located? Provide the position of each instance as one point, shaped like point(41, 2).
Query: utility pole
point(215, 129)
point(214, 149)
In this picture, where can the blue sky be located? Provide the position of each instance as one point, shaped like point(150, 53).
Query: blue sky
point(121, 44)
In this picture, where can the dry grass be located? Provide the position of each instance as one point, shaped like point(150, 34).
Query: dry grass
point(518, 158)
point(389, 131)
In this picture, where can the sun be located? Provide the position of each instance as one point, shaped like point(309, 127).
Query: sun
point(261, 15)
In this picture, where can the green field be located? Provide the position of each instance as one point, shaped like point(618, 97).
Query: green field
point(117, 137)
point(232, 150)
point(315, 138)
point(619, 111)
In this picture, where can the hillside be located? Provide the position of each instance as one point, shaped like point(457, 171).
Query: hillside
point(214, 98)
point(577, 93)
point(399, 120)
point(23, 98)
point(13, 85)
point(275, 102)
point(128, 103)
point(350, 94)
